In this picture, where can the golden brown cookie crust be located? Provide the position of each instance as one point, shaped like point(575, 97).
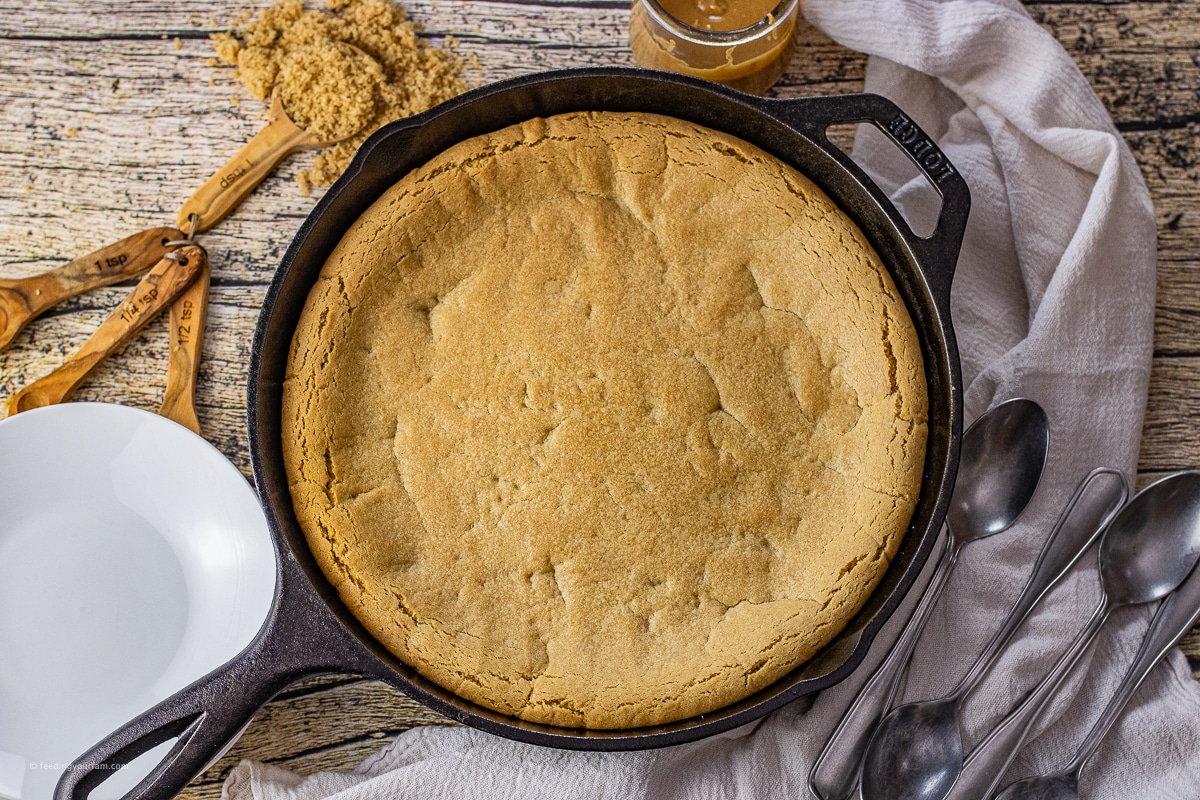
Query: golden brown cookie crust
point(604, 420)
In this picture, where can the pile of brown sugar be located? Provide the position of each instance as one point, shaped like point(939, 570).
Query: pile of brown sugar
point(328, 87)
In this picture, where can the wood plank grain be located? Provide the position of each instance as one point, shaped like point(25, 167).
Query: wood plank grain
point(81, 164)
point(1190, 645)
point(1139, 58)
point(1170, 162)
point(1138, 55)
point(1169, 437)
point(45, 132)
point(73, 125)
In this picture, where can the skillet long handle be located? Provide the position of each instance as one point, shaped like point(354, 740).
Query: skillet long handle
point(301, 637)
point(205, 717)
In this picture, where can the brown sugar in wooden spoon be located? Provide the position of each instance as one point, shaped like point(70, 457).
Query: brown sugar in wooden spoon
point(161, 286)
point(312, 71)
point(22, 299)
point(221, 193)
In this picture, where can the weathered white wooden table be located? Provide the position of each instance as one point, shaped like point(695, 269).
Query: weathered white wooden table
point(110, 116)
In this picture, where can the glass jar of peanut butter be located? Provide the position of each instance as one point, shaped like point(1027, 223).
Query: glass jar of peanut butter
point(745, 44)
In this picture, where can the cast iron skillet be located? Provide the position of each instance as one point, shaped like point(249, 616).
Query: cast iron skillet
point(309, 630)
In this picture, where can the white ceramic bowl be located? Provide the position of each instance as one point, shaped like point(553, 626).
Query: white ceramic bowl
point(134, 559)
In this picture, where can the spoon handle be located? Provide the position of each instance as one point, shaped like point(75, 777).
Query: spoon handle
point(22, 299)
point(1073, 534)
point(189, 313)
point(835, 773)
point(986, 764)
point(231, 184)
point(159, 288)
point(1175, 617)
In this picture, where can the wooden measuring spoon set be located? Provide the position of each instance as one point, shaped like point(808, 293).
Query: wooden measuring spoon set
point(176, 274)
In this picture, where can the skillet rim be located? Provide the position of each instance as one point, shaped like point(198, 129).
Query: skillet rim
point(926, 287)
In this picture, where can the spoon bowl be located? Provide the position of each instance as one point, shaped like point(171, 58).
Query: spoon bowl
point(995, 479)
point(1003, 455)
point(1154, 542)
point(925, 736)
point(1148, 550)
point(13, 312)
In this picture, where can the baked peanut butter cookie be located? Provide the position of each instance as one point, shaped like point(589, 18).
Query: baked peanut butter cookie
point(604, 420)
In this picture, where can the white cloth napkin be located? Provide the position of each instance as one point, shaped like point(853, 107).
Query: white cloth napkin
point(1053, 300)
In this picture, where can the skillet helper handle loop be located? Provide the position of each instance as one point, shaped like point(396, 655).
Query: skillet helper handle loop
point(128, 258)
point(173, 273)
point(938, 251)
point(222, 193)
point(189, 313)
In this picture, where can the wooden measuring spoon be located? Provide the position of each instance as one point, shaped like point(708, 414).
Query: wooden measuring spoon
point(22, 299)
point(207, 206)
point(169, 278)
point(188, 315)
point(221, 193)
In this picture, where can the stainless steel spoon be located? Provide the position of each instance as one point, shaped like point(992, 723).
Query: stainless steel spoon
point(1003, 454)
point(1175, 617)
point(1147, 551)
point(904, 739)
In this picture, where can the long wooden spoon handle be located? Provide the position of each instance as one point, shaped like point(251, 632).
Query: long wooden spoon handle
point(24, 298)
point(221, 193)
point(188, 316)
point(173, 273)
